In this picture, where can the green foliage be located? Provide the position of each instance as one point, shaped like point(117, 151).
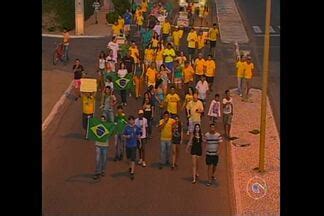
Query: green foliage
point(121, 6)
point(112, 17)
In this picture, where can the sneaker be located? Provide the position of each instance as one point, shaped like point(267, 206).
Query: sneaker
point(208, 184)
point(144, 164)
point(139, 162)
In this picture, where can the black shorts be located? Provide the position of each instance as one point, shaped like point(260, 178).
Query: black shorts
point(212, 160)
point(131, 153)
point(212, 44)
point(85, 120)
point(191, 51)
point(144, 140)
point(209, 79)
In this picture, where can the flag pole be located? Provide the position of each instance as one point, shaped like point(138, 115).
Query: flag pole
point(87, 133)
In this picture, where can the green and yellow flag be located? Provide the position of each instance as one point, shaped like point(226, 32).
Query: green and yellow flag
point(100, 131)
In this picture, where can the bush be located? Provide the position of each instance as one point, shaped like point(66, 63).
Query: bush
point(121, 6)
point(65, 11)
point(112, 17)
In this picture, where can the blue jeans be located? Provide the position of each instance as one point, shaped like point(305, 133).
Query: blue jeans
point(101, 159)
point(239, 85)
point(109, 115)
point(66, 53)
point(169, 65)
point(165, 151)
point(120, 146)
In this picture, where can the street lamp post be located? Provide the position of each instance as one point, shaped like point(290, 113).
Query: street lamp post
point(79, 17)
point(264, 87)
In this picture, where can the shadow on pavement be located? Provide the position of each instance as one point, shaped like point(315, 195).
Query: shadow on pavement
point(74, 136)
point(120, 174)
point(85, 178)
point(156, 165)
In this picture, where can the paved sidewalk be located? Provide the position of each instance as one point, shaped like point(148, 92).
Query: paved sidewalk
point(230, 23)
point(254, 200)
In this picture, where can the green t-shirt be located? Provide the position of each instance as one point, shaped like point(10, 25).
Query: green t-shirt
point(178, 72)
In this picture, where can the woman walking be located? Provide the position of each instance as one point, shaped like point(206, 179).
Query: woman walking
point(176, 141)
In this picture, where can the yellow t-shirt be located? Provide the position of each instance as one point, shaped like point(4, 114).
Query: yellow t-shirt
point(149, 54)
point(88, 104)
point(121, 23)
point(188, 98)
point(66, 38)
point(144, 6)
point(134, 52)
point(201, 41)
point(177, 35)
point(188, 73)
point(172, 103)
point(192, 107)
point(166, 28)
point(192, 36)
point(140, 20)
point(200, 63)
point(116, 29)
point(213, 33)
point(240, 69)
point(169, 53)
point(166, 132)
point(248, 70)
point(210, 67)
point(151, 75)
point(154, 42)
point(159, 55)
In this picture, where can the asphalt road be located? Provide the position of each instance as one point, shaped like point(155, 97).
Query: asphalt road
point(69, 161)
point(253, 14)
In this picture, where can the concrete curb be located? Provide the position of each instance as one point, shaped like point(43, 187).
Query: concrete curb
point(56, 108)
point(75, 36)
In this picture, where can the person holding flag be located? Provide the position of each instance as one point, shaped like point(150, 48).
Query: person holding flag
point(120, 123)
point(132, 134)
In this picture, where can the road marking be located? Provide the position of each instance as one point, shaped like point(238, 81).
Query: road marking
point(73, 36)
point(272, 35)
point(257, 29)
point(272, 30)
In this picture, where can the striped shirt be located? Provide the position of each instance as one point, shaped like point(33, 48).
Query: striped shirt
point(213, 141)
point(96, 6)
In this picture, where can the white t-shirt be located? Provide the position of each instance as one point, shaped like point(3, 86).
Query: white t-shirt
point(143, 125)
point(102, 64)
point(114, 47)
point(228, 108)
point(122, 73)
point(157, 28)
point(214, 109)
point(202, 88)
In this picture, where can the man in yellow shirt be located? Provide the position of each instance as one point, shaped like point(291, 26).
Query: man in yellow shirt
point(151, 74)
point(172, 101)
point(169, 55)
point(213, 35)
point(116, 30)
point(88, 109)
point(188, 74)
point(240, 67)
point(149, 56)
point(194, 109)
point(121, 22)
point(192, 39)
point(199, 67)
point(134, 52)
point(165, 125)
point(248, 73)
point(166, 30)
point(176, 36)
point(210, 66)
point(201, 40)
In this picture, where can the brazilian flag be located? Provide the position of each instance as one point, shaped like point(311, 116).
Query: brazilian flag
point(100, 131)
point(126, 83)
point(120, 124)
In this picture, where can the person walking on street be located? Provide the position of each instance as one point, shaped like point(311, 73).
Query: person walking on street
point(214, 109)
point(210, 66)
point(159, 55)
point(194, 110)
point(178, 75)
point(122, 72)
point(248, 74)
point(201, 41)
point(176, 141)
point(96, 5)
point(134, 52)
point(188, 98)
point(159, 98)
point(78, 72)
point(138, 79)
point(192, 39)
point(132, 134)
point(128, 21)
point(212, 142)
point(113, 45)
point(200, 66)
point(227, 113)
point(176, 36)
point(108, 101)
point(213, 35)
point(165, 125)
point(119, 141)
point(195, 143)
point(88, 104)
point(102, 155)
point(165, 76)
point(240, 67)
point(172, 101)
point(202, 88)
point(149, 115)
point(169, 55)
point(188, 75)
point(101, 70)
point(141, 122)
point(66, 44)
point(110, 62)
point(151, 75)
point(129, 62)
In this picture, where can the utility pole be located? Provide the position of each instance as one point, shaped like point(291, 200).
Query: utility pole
point(79, 17)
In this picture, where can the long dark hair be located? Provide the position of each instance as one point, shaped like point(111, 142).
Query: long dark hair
point(195, 131)
point(102, 54)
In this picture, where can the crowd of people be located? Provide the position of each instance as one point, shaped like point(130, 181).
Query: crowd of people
point(177, 83)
